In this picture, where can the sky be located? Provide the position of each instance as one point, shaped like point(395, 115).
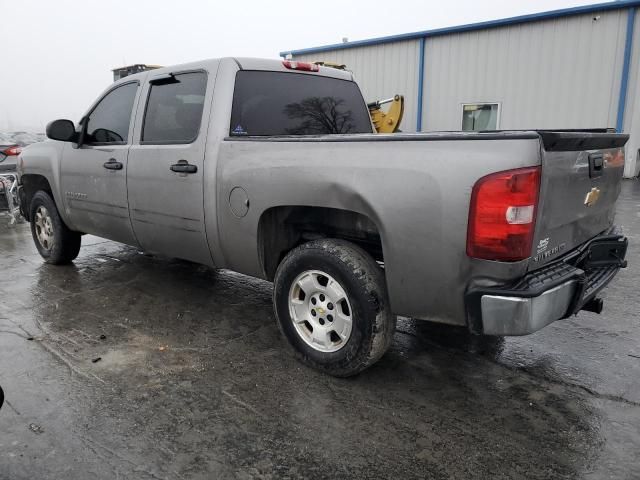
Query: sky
point(56, 56)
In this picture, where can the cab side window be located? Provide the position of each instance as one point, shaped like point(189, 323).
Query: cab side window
point(108, 123)
point(174, 109)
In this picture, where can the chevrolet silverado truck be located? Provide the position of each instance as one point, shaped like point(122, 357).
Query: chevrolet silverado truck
point(273, 169)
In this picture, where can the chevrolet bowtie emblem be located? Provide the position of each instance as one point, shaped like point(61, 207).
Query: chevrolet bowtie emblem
point(592, 197)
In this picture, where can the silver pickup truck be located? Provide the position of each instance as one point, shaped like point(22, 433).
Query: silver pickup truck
point(272, 169)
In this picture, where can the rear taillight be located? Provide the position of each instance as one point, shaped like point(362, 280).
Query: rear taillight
point(614, 159)
point(502, 215)
point(11, 151)
point(304, 66)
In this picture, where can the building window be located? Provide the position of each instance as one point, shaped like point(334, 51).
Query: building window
point(480, 116)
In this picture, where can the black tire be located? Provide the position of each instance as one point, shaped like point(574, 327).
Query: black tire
point(65, 244)
point(362, 280)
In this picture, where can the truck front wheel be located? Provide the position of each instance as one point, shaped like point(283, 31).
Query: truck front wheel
point(55, 242)
point(331, 304)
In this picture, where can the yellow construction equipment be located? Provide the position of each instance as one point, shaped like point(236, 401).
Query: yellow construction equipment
point(389, 121)
point(337, 66)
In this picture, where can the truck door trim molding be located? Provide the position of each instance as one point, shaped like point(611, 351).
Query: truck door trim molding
point(395, 137)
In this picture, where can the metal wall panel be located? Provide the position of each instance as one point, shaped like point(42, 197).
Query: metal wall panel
point(555, 73)
point(381, 71)
point(560, 73)
point(632, 110)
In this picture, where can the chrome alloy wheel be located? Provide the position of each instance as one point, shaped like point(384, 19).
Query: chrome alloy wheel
point(320, 311)
point(44, 228)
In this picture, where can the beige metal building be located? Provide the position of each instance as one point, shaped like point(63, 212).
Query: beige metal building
point(571, 68)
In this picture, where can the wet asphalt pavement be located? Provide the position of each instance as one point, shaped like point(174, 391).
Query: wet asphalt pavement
point(127, 366)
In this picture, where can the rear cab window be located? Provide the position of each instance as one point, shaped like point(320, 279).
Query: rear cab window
point(280, 103)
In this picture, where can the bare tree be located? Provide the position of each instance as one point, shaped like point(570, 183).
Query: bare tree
point(319, 115)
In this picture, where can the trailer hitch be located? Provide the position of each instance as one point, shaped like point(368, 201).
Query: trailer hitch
point(594, 305)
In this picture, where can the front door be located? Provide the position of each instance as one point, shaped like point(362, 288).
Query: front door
point(93, 176)
point(166, 167)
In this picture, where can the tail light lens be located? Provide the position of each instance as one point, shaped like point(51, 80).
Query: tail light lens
point(614, 160)
point(304, 66)
point(502, 215)
point(11, 151)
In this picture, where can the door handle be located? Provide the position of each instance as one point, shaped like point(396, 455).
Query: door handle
point(112, 164)
point(183, 167)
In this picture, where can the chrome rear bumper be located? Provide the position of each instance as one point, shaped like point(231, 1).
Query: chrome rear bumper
point(556, 291)
point(520, 315)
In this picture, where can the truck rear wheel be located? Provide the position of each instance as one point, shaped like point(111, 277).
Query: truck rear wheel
point(331, 304)
point(55, 242)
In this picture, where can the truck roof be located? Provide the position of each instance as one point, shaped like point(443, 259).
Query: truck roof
point(245, 63)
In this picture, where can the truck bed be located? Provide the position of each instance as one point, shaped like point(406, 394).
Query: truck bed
point(417, 196)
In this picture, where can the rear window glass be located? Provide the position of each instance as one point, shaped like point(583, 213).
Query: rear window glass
point(279, 103)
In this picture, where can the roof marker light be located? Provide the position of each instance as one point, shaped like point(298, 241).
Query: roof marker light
point(303, 66)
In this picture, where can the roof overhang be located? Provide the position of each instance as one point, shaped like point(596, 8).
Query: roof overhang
point(533, 17)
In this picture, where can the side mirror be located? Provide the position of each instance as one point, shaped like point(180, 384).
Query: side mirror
point(62, 130)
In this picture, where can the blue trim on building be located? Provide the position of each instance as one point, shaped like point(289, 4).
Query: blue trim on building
point(624, 79)
point(420, 85)
point(597, 7)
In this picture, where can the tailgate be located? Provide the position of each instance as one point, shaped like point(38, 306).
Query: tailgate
point(581, 177)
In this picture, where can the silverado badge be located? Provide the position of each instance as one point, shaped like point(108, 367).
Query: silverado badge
point(592, 197)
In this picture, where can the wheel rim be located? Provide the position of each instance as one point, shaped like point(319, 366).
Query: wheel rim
point(320, 311)
point(44, 228)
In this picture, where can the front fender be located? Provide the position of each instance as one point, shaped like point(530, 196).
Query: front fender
point(44, 159)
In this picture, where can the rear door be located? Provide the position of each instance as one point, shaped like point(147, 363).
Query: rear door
point(581, 179)
point(93, 176)
point(166, 167)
